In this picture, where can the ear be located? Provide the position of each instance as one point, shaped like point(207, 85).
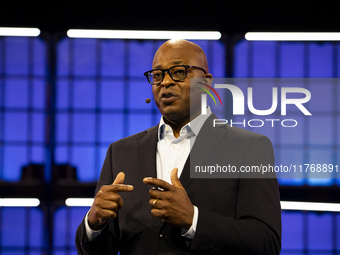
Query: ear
point(208, 78)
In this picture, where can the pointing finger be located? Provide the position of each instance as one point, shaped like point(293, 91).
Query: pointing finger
point(119, 178)
point(117, 188)
point(174, 179)
point(157, 182)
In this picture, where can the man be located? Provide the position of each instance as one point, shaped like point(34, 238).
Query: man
point(146, 202)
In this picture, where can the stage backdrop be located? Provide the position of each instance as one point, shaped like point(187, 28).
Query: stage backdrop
point(100, 98)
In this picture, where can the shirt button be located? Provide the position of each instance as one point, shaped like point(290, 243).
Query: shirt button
point(173, 146)
point(168, 170)
point(166, 128)
point(162, 236)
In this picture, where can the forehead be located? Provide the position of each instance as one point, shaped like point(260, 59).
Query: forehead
point(160, 65)
point(166, 57)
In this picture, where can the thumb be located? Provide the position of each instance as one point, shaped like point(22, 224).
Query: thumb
point(119, 178)
point(174, 179)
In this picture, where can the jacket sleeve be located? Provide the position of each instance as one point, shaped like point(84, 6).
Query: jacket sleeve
point(256, 227)
point(108, 240)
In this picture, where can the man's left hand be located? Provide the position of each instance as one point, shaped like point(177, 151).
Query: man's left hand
point(172, 205)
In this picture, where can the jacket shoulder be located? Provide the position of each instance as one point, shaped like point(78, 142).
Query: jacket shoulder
point(242, 133)
point(234, 132)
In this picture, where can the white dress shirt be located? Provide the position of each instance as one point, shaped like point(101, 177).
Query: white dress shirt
point(171, 153)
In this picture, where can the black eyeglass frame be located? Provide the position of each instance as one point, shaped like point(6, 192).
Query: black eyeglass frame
point(168, 71)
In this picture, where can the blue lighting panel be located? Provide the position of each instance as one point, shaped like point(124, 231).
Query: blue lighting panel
point(292, 231)
point(83, 127)
point(264, 59)
point(140, 55)
point(112, 94)
point(138, 92)
point(22, 104)
point(84, 94)
point(320, 130)
point(84, 56)
point(139, 122)
point(66, 221)
point(16, 92)
point(83, 158)
point(241, 59)
point(14, 158)
point(292, 59)
point(21, 227)
point(112, 58)
point(17, 55)
point(320, 231)
point(321, 60)
point(111, 127)
point(15, 127)
point(314, 136)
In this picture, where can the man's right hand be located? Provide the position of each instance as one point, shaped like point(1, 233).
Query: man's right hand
point(107, 202)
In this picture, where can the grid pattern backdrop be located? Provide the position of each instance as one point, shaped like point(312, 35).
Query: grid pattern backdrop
point(100, 98)
point(22, 135)
point(315, 140)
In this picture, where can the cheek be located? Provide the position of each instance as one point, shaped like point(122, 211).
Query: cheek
point(192, 96)
point(155, 92)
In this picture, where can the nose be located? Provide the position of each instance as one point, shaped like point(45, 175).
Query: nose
point(167, 80)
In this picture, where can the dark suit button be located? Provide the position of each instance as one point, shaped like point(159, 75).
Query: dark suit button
point(162, 236)
point(204, 247)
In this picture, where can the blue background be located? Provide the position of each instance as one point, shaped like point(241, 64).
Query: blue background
point(100, 98)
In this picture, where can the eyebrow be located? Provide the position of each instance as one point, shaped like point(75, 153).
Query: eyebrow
point(177, 62)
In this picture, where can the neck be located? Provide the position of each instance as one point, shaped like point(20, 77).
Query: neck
point(177, 124)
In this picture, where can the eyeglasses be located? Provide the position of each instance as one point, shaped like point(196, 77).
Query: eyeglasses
point(177, 73)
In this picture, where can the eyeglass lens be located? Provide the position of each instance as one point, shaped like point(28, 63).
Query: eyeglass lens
point(177, 73)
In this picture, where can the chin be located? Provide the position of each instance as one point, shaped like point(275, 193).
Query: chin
point(177, 114)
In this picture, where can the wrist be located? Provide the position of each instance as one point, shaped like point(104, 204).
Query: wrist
point(188, 224)
point(94, 223)
point(190, 233)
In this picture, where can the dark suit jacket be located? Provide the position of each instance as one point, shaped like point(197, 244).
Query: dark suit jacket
point(236, 215)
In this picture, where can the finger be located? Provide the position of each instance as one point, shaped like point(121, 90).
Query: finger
point(104, 213)
point(157, 182)
point(112, 198)
point(152, 202)
point(119, 178)
point(113, 204)
point(156, 193)
point(112, 207)
point(156, 203)
point(116, 188)
point(174, 179)
point(158, 213)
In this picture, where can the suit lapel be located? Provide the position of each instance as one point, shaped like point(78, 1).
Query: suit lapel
point(204, 146)
point(147, 147)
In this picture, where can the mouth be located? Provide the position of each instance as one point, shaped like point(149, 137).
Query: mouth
point(168, 97)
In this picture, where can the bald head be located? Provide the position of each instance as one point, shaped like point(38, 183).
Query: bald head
point(177, 101)
point(177, 49)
